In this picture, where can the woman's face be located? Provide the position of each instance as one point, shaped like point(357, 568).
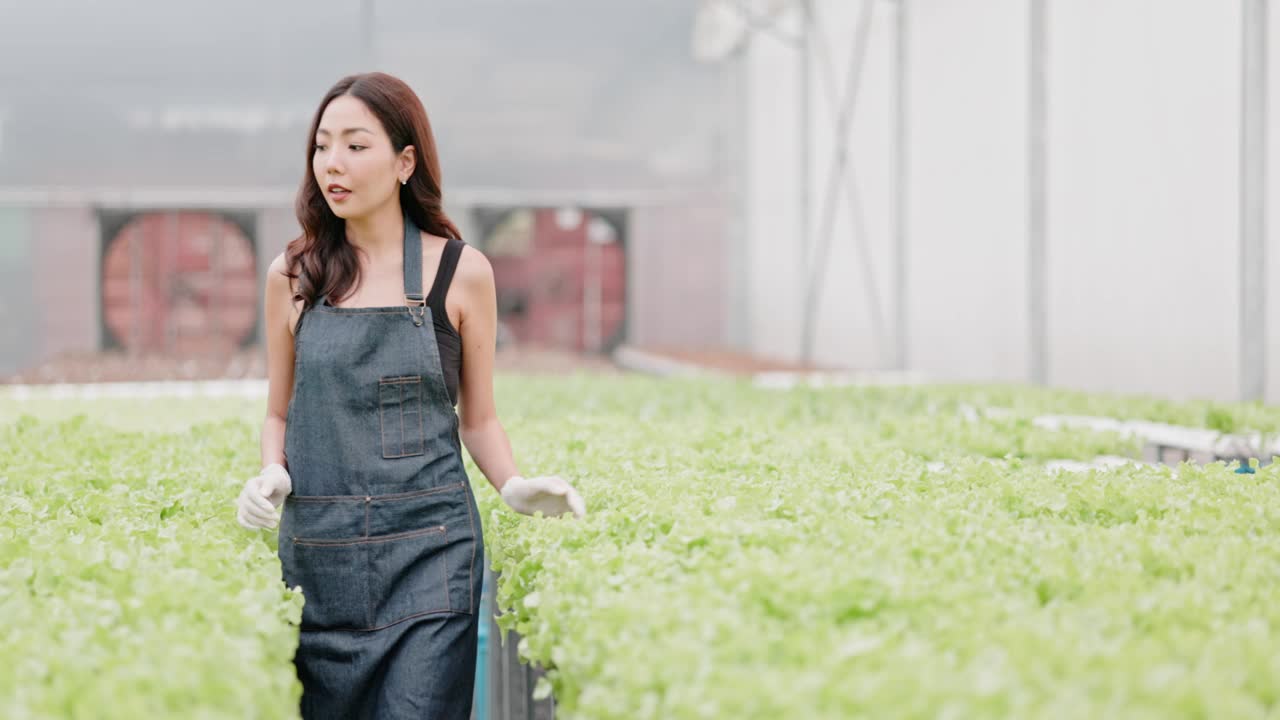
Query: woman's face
point(354, 164)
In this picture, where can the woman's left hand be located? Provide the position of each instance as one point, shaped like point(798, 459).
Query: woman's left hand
point(552, 495)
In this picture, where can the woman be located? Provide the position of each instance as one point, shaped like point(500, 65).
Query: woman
point(361, 442)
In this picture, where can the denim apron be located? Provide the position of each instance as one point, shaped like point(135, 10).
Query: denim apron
point(381, 530)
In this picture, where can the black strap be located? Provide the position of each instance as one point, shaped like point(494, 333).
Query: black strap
point(444, 275)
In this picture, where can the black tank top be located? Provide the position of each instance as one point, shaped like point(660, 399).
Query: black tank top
point(447, 337)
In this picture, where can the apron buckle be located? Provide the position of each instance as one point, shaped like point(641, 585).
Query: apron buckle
point(419, 301)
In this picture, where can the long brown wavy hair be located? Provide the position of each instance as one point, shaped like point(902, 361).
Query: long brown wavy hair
point(321, 259)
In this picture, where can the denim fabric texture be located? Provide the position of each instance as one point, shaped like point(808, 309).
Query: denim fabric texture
point(381, 531)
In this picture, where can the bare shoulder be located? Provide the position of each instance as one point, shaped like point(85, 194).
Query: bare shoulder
point(474, 277)
point(474, 270)
point(280, 293)
point(276, 277)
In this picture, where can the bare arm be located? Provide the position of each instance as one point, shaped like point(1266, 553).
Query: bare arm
point(481, 431)
point(279, 316)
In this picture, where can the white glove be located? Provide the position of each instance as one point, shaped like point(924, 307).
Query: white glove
point(262, 494)
point(551, 495)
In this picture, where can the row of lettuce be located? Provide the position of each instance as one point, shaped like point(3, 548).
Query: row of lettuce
point(823, 553)
point(874, 553)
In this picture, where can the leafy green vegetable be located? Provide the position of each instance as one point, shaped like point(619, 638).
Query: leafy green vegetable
point(817, 553)
point(760, 554)
point(126, 586)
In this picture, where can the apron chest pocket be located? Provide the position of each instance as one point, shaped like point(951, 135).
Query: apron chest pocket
point(400, 416)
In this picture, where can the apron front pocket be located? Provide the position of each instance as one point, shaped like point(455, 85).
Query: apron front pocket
point(335, 583)
point(400, 416)
point(410, 575)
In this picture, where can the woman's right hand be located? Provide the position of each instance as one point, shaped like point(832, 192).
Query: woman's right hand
point(261, 495)
point(551, 495)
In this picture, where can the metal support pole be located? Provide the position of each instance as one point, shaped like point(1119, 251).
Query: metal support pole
point(900, 90)
point(137, 314)
point(366, 34)
point(166, 279)
point(806, 131)
point(591, 292)
point(737, 164)
point(1037, 210)
point(812, 288)
point(1253, 199)
point(216, 297)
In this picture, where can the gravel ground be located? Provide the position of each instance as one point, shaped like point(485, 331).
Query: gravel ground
point(251, 364)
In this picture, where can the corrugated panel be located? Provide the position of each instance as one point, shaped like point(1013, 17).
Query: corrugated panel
point(17, 349)
point(64, 249)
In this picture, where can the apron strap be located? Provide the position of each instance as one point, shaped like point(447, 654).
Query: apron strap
point(413, 297)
